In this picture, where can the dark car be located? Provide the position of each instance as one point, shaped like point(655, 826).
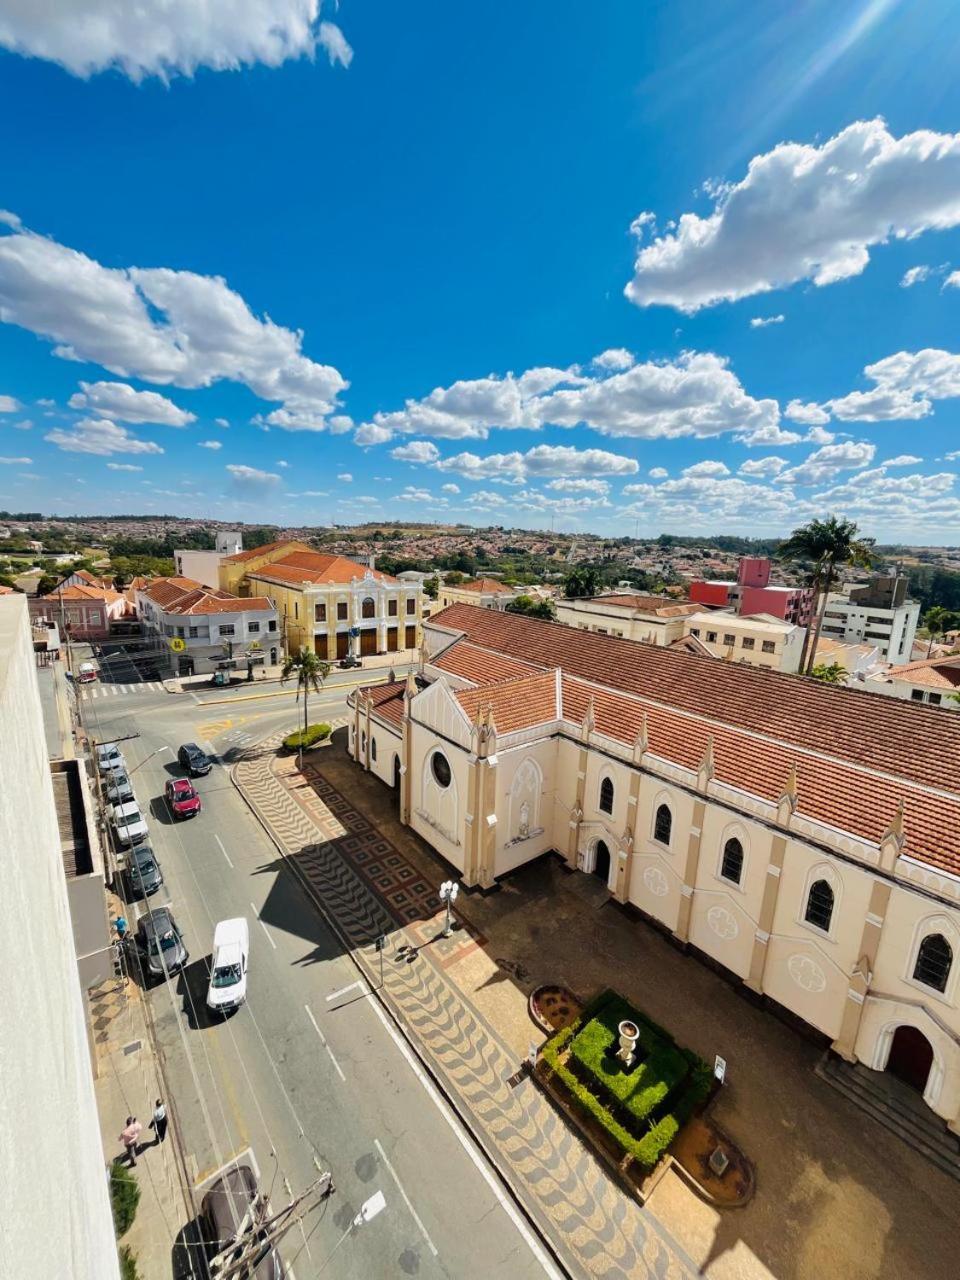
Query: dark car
point(143, 871)
point(160, 944)
point(196, 762)
point(222, 1210)
point(348, 662)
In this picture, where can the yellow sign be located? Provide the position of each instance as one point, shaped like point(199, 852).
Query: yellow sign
point(177, 645)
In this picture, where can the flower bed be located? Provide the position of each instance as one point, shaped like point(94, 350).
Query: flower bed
point(309, 737)
point(553, 1007)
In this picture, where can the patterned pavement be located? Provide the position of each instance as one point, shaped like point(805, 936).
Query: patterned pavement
point(370, 889)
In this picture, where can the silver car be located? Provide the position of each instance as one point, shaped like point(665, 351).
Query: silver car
point(110, 759)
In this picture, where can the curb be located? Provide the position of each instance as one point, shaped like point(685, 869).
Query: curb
point(438, 1082)
point(249, 697)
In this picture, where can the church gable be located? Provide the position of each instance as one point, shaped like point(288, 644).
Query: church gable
point(436, 708)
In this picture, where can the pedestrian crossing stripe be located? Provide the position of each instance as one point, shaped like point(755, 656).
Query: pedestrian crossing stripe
point(114, 690)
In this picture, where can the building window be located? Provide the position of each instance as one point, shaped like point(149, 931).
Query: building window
point(373, 748)
point(320, 613)
point(695, 631)
point(226, 629)
point(180, 632)
point(606, 795)
point(167, 629)
point(392, 608)
point(272, 624)
point(663, 824)
point(95, 617)
point(731, 864)
point(747, 642)
point(934, 961)
point(711, 637)
point(729, 639)
point(411, 606)
point(819, 911)
point(440, 767)
point(769, 646)
point(296, 609)
point(342, 611)
point(935, 698)
point(916, 695)
point(253, 626)
point(368, 609)
point(193, 632)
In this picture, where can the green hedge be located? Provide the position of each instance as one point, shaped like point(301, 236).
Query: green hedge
point(124, 1197)
point(128, 1264)
point(307, 737)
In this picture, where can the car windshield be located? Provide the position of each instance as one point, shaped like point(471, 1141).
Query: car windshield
point(146, 866)
point(185, 793)
point(166, 942)
point(227, 975)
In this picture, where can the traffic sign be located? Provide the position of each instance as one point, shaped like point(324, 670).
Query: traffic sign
point(177, 645)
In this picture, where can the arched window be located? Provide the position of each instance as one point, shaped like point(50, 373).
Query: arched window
point(819, 909)
point(663, 824)
point(606, 795)
point(731, 864)
point(373, 748)
point(369, 608)
point(934, 960)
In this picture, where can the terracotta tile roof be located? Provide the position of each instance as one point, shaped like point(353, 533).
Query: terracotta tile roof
point(933, 673)
point(663, 606)
point(482, 666)
point(91, 581)
point(78, 592)
point(268, 547)
point(909, 741)
point(515, 704)
point(208, 601)
point(166, 591)
point(485, 586)
point(311, 566)
point(6, 591)
point(387, 699)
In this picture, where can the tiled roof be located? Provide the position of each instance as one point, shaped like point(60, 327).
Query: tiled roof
point(243, 556)
point(206, 601)
point(913, 742)
point(662, 606)
point(166, 591)
point(84, 593)
point(6, 591)
point(486, 587)
point(933, 673)
point(515, 704)
point(91, 581)
point(482, 666)
point(310, 566)
point(387, 699)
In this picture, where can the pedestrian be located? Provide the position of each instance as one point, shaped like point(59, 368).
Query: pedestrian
point(130, 1137)
point(121, 927)
point(159, 1122)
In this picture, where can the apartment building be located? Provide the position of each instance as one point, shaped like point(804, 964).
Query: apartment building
point(336, 606)
point(646, 619)
point(211, 628)
point(877, 613)
point(752, 592)
point(803, 839)
point(205, 565)
point(760, 640)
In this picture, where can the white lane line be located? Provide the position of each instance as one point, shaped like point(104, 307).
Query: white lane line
point(343, 990)
point(263, 926)
point(323, 1041)
point(223, 850)
point(406, 1199)
point(499, 1195)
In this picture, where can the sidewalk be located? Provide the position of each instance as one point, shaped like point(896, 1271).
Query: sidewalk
point(128, 1083)
point(378, 662)
point(369, 888)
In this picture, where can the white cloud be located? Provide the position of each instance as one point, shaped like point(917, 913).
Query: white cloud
point(450, 488)
point(123, 466)
point(706, 468)
point(902, 460)
point(761, 322)
point(804, 213)
point(915, 275)
point(345, 477)
point(762, 466)
point(16, 462)
point(615, 358)
point(543, 460)
point(769, 434)
point(251, 479)
point(162, 326)
point(99, 436)
point(658, 473)
point(706, 501)
point(8, 404)
point(810, 415)
point(165, 38)
point(416, 451)
point(952, 281)
point(210, 444)
point(119, 401)
point(906, 384)
point(281, 462)
point(221, 422)
point(825, 463)
point(817, 435)
point(581, 485)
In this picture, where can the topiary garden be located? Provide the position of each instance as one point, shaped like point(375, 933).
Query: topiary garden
point(312, 736)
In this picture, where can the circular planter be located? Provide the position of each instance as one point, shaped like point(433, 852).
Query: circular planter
point(552, 1007)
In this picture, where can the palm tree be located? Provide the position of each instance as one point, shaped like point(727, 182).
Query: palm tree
point(311, 673)
point(937, 620)
point(826, 544)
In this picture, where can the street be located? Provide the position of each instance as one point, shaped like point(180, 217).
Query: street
point(308, 1075)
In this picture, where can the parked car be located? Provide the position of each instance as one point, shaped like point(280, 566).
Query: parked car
point(182, 798)
point(128, 824)
point(228, 972)
point(160, 944)
point(119, 789)
point(143, 871)
point(86, 672)
point(110, 759)
point(196, 762)
point(222, 1210)
point(348, 662)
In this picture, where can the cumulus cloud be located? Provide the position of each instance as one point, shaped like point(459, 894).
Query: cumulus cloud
point(703, 501)
point(811, 415)
point(768, 434)
point(345, 477)
point(416, 451)
point(903, 460)
point(952, 281)
point(450, 488)
point(8, 404)
point(658, 473)
point(16, 462)
point(817, 435)
point(915, 275)
point(581, 485)
point(221, 422)
point(99, 436)
point(119, 401)
point(167, 327)
point(123, 466)
point(804, 212)
point(825, 463)
point(906, 384)
point(706, 468)
point(761, 322)
point(762, 466)
point(616, 358)
point(164, 38)
point(251, 479)
point(210, 444)
point(542, 461)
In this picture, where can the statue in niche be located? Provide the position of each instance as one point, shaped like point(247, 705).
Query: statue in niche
point(524, 830)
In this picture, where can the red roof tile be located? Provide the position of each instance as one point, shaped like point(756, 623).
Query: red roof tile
point(311, 566)
point(482, 666)
point(515, 704)
point(242, 556)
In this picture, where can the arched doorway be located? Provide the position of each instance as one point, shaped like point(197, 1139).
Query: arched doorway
point(396, 772)
point(911, 1057)
point(601, 862)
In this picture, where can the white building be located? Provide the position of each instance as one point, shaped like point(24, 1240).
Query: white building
point(876, 614)
point(204, 566)
point(211, 626)
point(935, 681)
point(56, 1212)
point(645, 618)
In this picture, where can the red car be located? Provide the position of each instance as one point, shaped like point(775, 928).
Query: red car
point(182, 798)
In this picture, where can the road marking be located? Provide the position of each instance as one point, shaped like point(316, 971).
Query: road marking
point(223, 850)
point(263, 926)
point(406, 1199)
point(501, 1197)
point(343, 990)
point(323, 1041)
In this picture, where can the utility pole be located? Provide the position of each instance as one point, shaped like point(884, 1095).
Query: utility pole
point(260, 1231)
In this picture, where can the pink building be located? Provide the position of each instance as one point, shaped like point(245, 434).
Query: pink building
point(754, 593)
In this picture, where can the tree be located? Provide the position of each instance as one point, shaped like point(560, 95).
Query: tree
point(311, 673)
point(832, 673)
point(937, 621)
point(46, 583)
point(826, 545)
point(431, 587)
point(453, 579)
point(532, 607)
point(581, 583)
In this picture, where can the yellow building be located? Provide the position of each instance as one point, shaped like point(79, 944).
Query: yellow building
point(334, 605)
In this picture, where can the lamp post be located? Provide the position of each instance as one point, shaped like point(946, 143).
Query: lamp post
point(448, 894)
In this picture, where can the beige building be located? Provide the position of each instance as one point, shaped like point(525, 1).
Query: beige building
point(649, 619)
point(487, 593)
point(805, 839)
point(329, 603)
point(758, 639)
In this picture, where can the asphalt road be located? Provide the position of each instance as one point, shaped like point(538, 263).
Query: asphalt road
point(308, 1074)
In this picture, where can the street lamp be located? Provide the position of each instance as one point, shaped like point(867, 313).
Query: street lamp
point(448, 894)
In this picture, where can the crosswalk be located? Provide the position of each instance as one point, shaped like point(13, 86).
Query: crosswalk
point(92, 691)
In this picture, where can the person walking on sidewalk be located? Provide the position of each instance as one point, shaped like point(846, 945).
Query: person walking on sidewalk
point(130, 1137)
point(159, 1122)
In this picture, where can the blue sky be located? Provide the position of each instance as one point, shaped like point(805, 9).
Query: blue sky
point(506, 266)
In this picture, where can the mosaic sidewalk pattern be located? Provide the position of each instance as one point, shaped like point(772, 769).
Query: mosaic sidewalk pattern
point(598, 1230)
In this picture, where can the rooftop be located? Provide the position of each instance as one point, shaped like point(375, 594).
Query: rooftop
point(297, 567)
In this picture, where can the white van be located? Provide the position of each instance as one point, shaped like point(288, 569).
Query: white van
point(228, 972)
